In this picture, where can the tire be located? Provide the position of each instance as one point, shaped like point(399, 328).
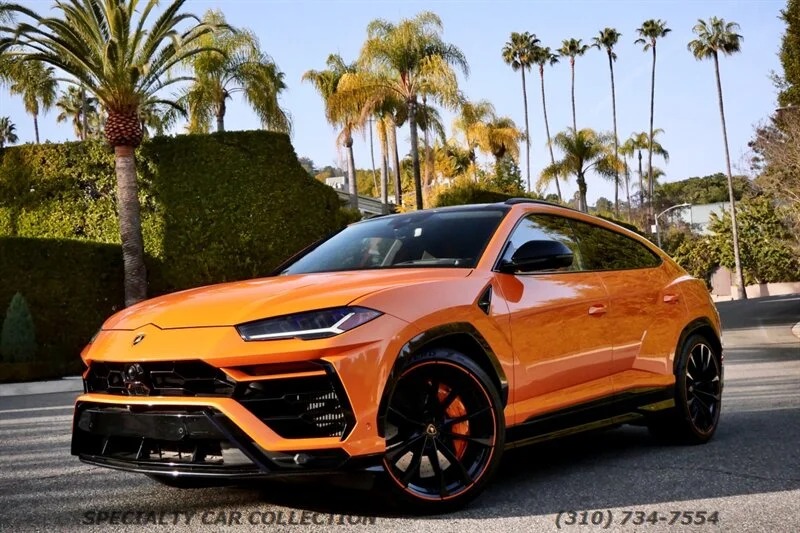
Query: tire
point(445, 432)
point(698, 395)
point(185, 482)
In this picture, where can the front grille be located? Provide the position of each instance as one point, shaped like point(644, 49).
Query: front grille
point(299, 407)
point(167, 378)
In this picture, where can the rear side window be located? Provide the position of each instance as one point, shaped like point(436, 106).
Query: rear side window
point(603, 249)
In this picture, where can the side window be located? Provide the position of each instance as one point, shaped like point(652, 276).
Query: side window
point(543, 228)
point(603, 249)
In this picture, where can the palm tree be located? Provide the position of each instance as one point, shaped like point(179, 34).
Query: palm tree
point(573, 48)
point(542, 56)
point(500, 137)
point(242, 68)
point(607, 39)
point(76, 107)
point(430, 122)
point(35, 83)
point(8, 134)
point(649, 33)
point(410, 59)
point(472, 117)
point(633, 147)
point(105, 46)
point(340, 112)
point(519, 53)
point(582, 151)
point(714, 37)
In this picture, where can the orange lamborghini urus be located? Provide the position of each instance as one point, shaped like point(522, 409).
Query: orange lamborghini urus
point(419, 346)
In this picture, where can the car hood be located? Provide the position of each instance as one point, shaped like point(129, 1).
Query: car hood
point(229, 304)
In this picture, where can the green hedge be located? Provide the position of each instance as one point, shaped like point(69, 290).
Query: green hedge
point(215, 208)
point(71, 286)
point(234, 205)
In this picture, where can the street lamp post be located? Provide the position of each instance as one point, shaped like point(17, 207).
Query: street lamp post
point(658, 233)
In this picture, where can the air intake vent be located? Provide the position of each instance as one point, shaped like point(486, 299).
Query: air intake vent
point(299, 407)
point(485, 300)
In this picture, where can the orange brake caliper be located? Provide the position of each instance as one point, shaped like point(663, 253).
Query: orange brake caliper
point(456, 409)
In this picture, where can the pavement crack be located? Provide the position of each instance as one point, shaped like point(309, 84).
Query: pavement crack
point(716, 471)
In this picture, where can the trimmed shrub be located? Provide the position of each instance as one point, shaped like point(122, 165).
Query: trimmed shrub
point(17, 336)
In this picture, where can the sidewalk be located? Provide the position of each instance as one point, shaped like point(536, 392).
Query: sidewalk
point(68, 384)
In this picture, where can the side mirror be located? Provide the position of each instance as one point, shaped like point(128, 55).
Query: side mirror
point(534, 256)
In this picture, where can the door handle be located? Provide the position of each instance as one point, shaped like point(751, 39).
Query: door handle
point(598, 310)
point(671, 298)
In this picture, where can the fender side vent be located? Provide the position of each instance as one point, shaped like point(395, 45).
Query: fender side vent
point(485, 300)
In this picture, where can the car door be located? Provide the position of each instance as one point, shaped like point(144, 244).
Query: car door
point(644, 307)
point(557, 323)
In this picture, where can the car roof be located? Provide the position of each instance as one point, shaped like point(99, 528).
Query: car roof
point(473, 207)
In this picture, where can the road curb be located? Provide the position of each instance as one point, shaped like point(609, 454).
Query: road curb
point(68, 384)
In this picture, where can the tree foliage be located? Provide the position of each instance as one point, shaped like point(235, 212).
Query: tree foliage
point(702, 190)
point(789, 82)
point(769, 250)
point(776, 160)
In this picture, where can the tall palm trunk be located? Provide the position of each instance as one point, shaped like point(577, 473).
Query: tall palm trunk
point(572, 70)
point(36, 126)
point(398, 186)
point(384, 164)
point(547, 129)
point(742, 293)
point(650, 141)
point(627, 189)
point(352, 185)
point(641, 193)
point(372, 158)
point(616, 139)
point(84, 115)
point(130, 225)
point(527, 130)
point(582, 193)
point(426, 143)
point(412, 126)
point(426, 147)
point(221, 115)
point(472, 158)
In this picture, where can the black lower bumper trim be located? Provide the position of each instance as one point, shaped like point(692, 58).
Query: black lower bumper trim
point(190, 441)
point(363, 463)
point(150, 425)
point(179, 469)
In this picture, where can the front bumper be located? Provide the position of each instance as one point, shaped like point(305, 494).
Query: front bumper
point(288, 406)
point(191, 441)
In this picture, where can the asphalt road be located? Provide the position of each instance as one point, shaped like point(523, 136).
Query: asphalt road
point(749, 473)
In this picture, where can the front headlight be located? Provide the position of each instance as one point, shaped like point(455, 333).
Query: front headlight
point(309, 325)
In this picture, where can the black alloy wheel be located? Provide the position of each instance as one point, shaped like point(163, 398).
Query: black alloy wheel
point(444, 431)
point(698, 395)
point(703, 388)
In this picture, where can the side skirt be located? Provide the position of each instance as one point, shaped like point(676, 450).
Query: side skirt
point(625, 407)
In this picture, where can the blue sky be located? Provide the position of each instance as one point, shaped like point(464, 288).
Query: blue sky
point(300, 34)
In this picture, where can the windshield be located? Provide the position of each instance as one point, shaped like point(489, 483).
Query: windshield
point(448, 238)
